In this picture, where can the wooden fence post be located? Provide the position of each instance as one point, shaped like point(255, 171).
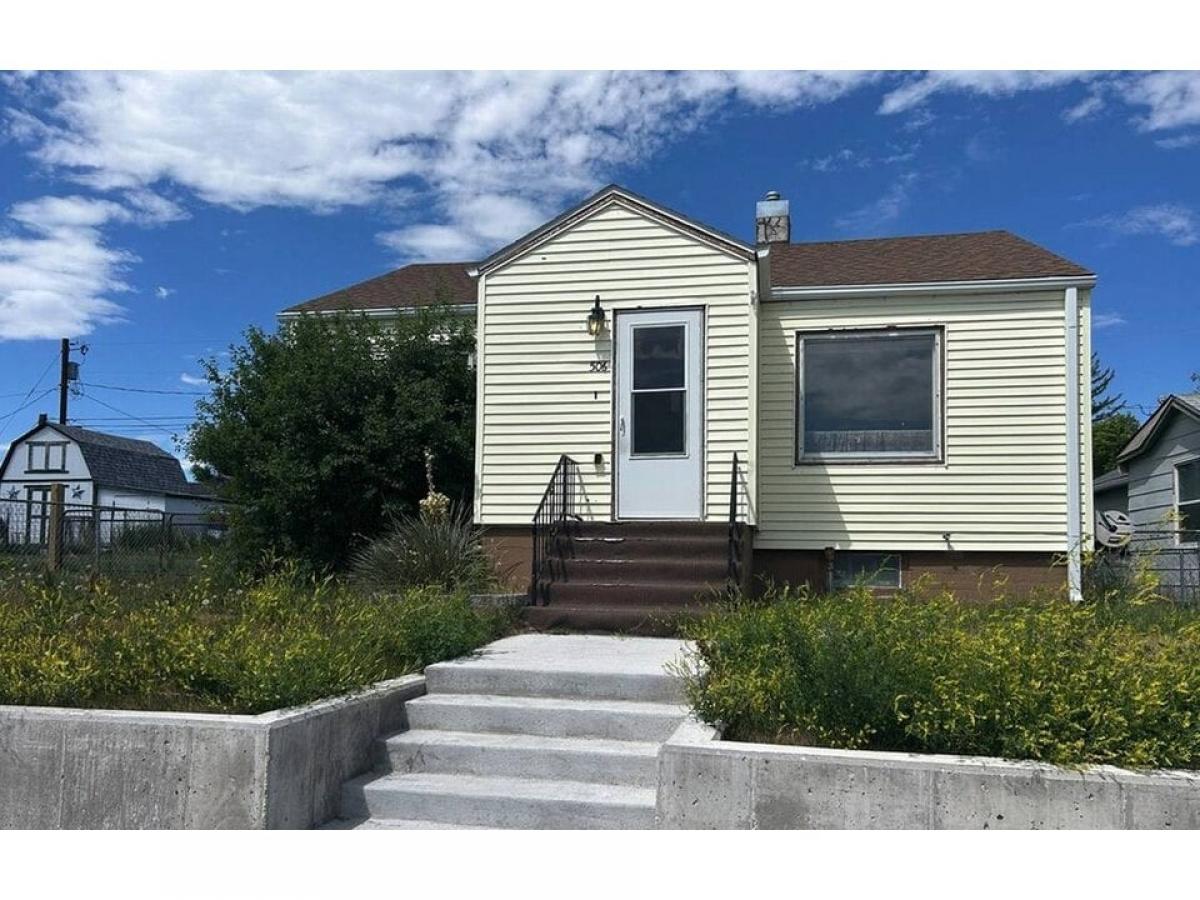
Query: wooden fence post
point(54, 539)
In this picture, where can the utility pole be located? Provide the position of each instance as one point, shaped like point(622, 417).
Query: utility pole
point(68, 372)
point(62, 381)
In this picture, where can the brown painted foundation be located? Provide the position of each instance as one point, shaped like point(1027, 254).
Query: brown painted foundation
point(969, 575)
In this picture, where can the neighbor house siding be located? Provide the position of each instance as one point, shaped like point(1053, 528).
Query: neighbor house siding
point(1152, 475)
point(538, 398)
point(1002, 484)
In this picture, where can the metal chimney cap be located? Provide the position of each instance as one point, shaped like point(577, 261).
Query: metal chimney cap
point(772, 195)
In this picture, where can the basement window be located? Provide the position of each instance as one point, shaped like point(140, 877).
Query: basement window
point(869, 395)
point(867, 568)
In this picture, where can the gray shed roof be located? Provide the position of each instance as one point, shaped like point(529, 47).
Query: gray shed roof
point(1143, 439)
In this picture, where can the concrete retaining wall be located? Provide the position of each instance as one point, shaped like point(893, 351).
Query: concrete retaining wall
point(704, 782)
point(72, 768)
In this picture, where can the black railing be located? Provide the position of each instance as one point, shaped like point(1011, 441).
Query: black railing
point(553, 513)
point(736, 530)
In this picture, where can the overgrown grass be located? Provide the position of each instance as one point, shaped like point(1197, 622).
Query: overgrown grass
point(216, 644)
point(1116, 681)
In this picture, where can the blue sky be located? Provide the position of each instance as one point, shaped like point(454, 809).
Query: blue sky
point(155, 216)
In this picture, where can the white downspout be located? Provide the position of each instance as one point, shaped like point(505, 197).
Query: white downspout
point(1074, 477)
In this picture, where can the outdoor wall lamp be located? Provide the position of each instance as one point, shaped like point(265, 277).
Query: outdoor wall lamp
point(595, 319)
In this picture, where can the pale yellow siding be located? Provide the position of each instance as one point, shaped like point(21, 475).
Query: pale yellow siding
point(538, 398)
point(1002, 485)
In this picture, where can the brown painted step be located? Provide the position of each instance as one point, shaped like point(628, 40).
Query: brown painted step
point(644, 547)
point(683, 570)
point(647, 621)
point(580, 593)
point(649, 529)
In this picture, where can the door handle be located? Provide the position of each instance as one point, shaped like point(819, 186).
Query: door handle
point(621, 427)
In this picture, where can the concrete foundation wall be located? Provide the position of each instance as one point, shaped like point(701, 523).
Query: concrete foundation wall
point(71, 768)
point(709, 783)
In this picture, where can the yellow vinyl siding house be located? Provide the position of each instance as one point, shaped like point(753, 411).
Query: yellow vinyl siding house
point(546, 384)
point(897, 407)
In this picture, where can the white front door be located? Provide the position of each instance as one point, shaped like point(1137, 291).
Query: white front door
point(660, 403)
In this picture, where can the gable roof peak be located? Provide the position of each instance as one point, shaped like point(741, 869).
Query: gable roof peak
point(597, 199)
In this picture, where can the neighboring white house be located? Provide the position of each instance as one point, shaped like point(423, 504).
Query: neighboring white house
point(912, 405)
point(95, 469)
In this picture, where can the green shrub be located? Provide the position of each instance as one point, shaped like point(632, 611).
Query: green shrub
point(203, 644)
point(1040, 679)
point(445, 550)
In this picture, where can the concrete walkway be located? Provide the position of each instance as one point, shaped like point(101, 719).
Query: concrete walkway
point(533, 731)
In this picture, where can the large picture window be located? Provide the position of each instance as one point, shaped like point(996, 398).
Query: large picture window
point(869, 395)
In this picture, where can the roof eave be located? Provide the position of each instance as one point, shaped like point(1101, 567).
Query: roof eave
point(466, 309)
point(976, 286)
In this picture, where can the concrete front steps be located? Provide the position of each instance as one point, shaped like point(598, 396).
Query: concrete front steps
point(536, 731)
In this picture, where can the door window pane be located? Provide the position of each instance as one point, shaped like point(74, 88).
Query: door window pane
point(869, 394)
point(658, 357)
point(658, 422)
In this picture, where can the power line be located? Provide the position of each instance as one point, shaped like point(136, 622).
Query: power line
point(129, 415)
point(49, 390)
point(133, 390)
point(37, 384)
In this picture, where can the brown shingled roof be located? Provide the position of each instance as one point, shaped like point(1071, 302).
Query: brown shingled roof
point(977, 256)
point(417, 284)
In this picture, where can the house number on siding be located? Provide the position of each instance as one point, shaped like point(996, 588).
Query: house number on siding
point(599, 365)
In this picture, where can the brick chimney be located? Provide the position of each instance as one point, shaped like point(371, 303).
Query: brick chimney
point(772, 220)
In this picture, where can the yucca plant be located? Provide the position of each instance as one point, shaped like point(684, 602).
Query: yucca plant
point(442, 550)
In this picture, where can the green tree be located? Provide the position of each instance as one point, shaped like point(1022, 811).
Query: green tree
point(1109, 435)
point(1104, 404)
point(318, 432)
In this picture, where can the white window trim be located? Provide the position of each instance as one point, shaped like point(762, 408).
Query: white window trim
point(45, 447)
point(800, 458)
point(1179, 541)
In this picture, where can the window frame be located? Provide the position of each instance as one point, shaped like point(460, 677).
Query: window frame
point(938, 401)
point(45, 447)
point(684, 390)
point(1179, 531)
point(886, 554)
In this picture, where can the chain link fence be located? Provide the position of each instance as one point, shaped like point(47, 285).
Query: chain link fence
point(1172, 555)
point(106, 540)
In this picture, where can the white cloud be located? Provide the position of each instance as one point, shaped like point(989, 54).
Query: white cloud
point(1107, 320)
point(193, 380)
point(1084, 109)
point(162, 292)
point(1173, 221)
point(57, 275)
point(1170, 99)
point(1179, 141)
point(987, 83)
point(870, 218)
point(478, 156)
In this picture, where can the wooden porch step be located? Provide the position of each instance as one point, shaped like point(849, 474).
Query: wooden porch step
point(681, 570)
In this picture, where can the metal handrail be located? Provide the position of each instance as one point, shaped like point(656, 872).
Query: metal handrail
point(555, 509)
point(736, 533)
